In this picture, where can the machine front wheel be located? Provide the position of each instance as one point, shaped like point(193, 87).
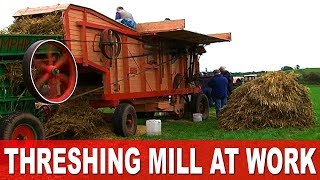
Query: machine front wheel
point(125, 120)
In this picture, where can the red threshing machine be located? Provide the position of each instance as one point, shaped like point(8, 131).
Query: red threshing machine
point(154, 68)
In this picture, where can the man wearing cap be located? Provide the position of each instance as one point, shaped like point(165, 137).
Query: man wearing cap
point(229, 77)
point(219, 85)
point(125, 17)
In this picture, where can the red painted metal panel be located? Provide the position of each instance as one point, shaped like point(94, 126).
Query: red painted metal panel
point(102, 103)
point(137, 95)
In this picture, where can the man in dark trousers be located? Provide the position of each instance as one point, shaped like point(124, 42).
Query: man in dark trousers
point(219, 85)
point(229, 77)
point(206, 89)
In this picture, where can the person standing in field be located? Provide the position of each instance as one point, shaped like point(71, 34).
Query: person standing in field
point(125, 17)
point(219, 86)
point(229, 77)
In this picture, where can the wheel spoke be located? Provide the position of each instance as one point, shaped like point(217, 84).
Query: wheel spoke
point(50, 58)
point(63, 78)
point(61, 61)
point(42, 80)
point(39, 64)
point(53, 89)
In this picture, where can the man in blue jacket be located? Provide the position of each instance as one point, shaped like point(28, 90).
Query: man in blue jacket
point(219, 85)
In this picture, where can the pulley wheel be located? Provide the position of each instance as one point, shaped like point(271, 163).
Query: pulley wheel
point(110, 43)
point(50, 71)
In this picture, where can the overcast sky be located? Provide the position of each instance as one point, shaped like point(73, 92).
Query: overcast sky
point(266, 34)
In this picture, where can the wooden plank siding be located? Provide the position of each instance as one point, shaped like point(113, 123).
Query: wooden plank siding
point(133, 75)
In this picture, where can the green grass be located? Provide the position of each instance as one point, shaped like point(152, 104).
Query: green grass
point(208, 129)
point(308, 70)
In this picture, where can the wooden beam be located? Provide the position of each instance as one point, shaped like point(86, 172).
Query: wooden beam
point(223, 36)
point(167, 25)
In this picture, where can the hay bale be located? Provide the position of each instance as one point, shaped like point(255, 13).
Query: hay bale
point(274, 100)
point(44, 24)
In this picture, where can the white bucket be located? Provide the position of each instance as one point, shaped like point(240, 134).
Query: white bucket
point(197, 117)
point(153, 127)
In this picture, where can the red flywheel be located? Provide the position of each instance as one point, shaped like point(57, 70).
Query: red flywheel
point(50, 71)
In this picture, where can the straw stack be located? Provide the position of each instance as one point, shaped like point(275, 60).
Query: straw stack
point(48, 24)
point(274, 100)
point(75, 119)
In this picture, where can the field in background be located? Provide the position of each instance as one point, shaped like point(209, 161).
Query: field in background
point(208, 129)
point(308, 70)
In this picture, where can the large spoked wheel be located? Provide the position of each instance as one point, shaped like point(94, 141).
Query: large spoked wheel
point(110, 43)
point(50, 71)
point(200, 104)
point(21, 126)
point(125, 120)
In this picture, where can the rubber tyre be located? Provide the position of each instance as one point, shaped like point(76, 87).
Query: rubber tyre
point(10, 123)
point(124, 120)
point(200, 104)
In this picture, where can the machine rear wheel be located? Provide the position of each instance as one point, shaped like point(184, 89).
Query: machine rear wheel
point(21, 126)
point(50, 71)
point(125, 120)
point(200, 104)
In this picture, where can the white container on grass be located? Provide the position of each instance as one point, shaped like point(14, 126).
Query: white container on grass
point(197, 117)
point(153, 127)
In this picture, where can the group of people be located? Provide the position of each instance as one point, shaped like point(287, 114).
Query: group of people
point(219, 88)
